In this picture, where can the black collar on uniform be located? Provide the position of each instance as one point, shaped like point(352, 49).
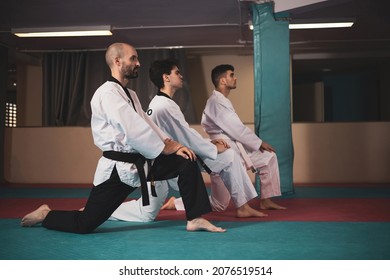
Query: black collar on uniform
point(160, 93)
point(112, 79)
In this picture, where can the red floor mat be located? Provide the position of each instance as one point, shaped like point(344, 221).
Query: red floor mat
point(320, 209)
point(18, 207)
point(299, 209)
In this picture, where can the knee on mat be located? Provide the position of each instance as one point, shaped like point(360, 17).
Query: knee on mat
point(88, 227)
point(86, 230)
point(219, 206)
point(148, 217)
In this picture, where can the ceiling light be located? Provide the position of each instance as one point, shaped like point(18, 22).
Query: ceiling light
point(75, 31)
point(250, 24)
point(314, 25)
point(320, 25)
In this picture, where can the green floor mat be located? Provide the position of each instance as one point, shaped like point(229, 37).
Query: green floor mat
point(168, 240)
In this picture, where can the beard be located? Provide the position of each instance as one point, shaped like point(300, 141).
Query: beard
point(129, 73)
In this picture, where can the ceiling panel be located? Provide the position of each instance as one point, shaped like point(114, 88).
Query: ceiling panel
point(200, 23)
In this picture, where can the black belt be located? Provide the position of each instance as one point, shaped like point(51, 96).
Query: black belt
point(139, 161)
point(203, 165)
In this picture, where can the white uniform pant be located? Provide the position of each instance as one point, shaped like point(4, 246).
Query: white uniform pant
point(266, 164)
point(227, 181)
point(134, 211)
point(228, 171)
point(267, 168)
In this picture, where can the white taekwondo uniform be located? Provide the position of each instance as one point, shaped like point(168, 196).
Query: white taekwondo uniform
point(168, 116)
point(114, 124)
point(220, 120)
point(106, 101)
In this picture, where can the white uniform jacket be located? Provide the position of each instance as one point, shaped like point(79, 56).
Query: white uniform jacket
point(168, 116)
point(116, 126)
point(219, 118)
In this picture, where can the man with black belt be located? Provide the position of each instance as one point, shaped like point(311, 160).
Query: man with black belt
point(128, 138)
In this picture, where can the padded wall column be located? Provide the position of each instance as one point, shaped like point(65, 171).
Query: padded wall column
point(272, 88)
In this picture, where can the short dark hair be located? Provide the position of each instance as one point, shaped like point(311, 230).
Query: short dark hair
point(218, 71)
point(158, 69)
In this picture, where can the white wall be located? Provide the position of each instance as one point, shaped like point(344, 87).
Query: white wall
point(342, 152)
point(324, 153)
point(49, 155)
point(29, 95)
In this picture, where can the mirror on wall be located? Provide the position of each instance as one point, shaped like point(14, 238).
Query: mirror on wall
point(341, 90)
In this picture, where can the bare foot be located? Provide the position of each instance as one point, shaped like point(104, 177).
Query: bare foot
point(36, 216)
point(203, 224)
point(170, 204)
point(245, 211)
point(270, 205)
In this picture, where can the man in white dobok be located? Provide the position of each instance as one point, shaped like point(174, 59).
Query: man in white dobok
point(214, 155)
point(220, 121)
